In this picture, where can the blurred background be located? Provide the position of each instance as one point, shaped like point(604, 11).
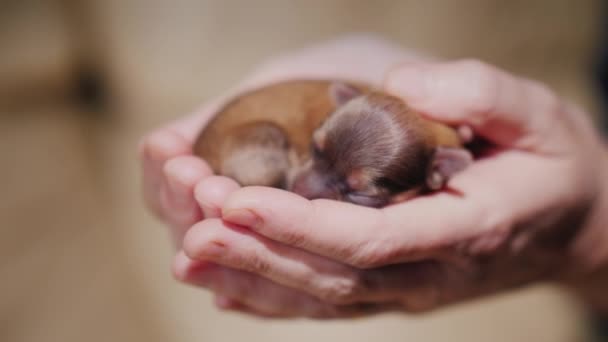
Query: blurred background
point(81, 81)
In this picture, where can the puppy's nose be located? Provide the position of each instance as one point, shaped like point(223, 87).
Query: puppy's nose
point(312, 184)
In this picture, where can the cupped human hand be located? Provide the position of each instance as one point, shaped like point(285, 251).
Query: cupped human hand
point(531, 208)
point(170, 171)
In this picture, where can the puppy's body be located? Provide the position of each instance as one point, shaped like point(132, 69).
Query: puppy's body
point(366, 146)
point(268, 121)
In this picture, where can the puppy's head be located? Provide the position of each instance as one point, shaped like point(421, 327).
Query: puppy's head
point(365, 152)
point(371, 148)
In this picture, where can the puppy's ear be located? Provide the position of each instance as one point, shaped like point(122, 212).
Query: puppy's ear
point(340, 93)
point(447, 161)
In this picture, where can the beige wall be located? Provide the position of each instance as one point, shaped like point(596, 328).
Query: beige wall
point(82, 260)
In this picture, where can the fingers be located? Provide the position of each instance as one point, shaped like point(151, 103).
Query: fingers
point(170, 173)
point(176, 194)
point(179, 207)
point(240, 248)
point(214, 241)
point(509, 111)
point(154, 150)
point(252, 294)
point(211, 193)
point(359, 236)
point(173, 140)
point(256, 292)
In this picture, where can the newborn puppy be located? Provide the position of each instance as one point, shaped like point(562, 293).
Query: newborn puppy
point(335, 140)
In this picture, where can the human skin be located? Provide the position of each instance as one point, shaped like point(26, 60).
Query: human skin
point(533, 209)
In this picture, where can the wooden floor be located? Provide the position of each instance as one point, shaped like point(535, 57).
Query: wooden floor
point(81, 260)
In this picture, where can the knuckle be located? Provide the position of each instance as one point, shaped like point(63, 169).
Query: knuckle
point(256, 263)
point(293, 237)
point(207, 240)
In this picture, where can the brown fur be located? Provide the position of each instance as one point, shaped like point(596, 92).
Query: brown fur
point(294, 108)
point(385, 139)
point(367, 146)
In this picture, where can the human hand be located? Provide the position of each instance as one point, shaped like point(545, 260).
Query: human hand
point(170, 171)
point(531, 209)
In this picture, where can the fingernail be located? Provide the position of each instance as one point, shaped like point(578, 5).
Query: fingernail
point(408, 82)
point(242, 217)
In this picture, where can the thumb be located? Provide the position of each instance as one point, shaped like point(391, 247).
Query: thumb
point(507, 110)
